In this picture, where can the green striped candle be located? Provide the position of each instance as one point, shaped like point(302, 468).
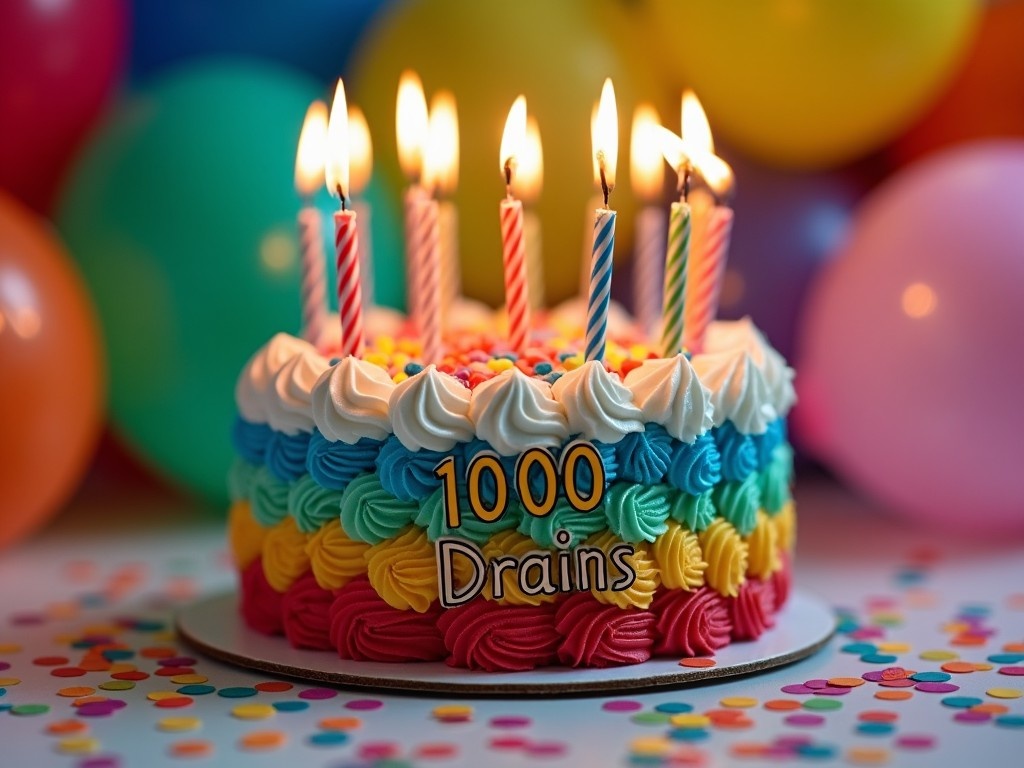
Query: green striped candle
point(676, 258)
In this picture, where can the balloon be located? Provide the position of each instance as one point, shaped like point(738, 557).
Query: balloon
point(911, 350)
point(788, 224)
point(558, 55)
point(812, 84)
point(182, 214)
point(51, 383)
point(312, 35)
point(984, 98)
point(59, 63)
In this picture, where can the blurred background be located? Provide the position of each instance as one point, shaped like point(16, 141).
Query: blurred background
point(148, 242)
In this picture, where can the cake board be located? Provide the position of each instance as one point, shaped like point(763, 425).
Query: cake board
point(213, 626)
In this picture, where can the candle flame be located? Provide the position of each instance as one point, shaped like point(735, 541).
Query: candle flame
point(647, 173)
point(605, 134)
point(309, 159)
point(701, 147)
point(337, 166)
point(411, 122)
point(441, 161)
point(360, 149)
point(513, 138)
point(530, 177)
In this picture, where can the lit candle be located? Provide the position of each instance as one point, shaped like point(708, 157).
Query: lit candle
point(527, 186)
point(361, 167)
point(346, 232)
point(309, 175)
point(411, 123)
point(677, 254)
point(647, 175)
point(712, 228)
point(595, 201)
point(441, 174)
point(517, 300)
point(606, 152)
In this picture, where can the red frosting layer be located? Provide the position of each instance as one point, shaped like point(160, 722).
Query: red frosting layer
point(753, 610)
point(782, 581)
point(261, 605)
point(304, 613)
point(365, 628)
point(690, 623)
point(599, 635)
point(500, 638)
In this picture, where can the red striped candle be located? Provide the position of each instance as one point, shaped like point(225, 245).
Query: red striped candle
point(350, 294)
point(426, 293)
point(517, 299)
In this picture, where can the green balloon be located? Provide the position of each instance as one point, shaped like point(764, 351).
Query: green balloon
point(181, 213)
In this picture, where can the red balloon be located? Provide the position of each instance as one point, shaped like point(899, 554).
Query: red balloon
point(59, 62)
point(985, 99)
point(51, 379)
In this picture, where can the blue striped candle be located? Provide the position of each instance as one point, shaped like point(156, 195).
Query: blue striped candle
point(600, 283)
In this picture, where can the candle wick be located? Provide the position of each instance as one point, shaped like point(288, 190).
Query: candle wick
point(685, 177)
point(341, 196)
point(508, 178)
point(604, 184)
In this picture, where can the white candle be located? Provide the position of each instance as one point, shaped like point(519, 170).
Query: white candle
point(647, 175)
point(411, 123)
point(309, 176)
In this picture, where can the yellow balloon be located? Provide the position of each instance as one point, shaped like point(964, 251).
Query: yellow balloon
point(555, 53)
point(812, 83)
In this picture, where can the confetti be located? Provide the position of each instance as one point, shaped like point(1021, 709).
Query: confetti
point(1004, 693)
point(668, 707)
point(970, 716)
point(291, 706)
point(959, 667)
point(936, 687)
point(191, 749)
point(781, 705)
point(875, 728)
point(742, 702)
point(351, 723)
point(66, 727)
point(178, 724)
point(804, 721)
point(938, 655)
point(261, 741)
point(238, 692)
point(189, 679)
point(893, 695)
point(961, 702)
point(28, 710)
point(253, 711)
point(328, 739)
point(364, 705)
point(1010, 721)
point(867, 756)
point(273, 686)
point(316, 694)
point(698, 662)
point(80, 745)
point(915, 741)
point(822, 705)
point(76, 691)
point(622, 705)
point(196, 690)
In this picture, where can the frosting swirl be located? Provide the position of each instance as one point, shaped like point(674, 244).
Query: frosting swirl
point(785, 525)
point(743, 334)
point(738, 503)
point(776, 479)
point(245, 535)
point(431, 410)
point(763, 546)
point(365, 628)
point(241, 477)
point(695, 467)
point(726, 555)
point(637, 512)
point(304, 614)
point(500, 638)
point(432, 518)
point(260, 603)
point(738, 390)
point(599, 635)
point(596, 404)
point(350, 401)
point(371, 514)
point(335, 465)
point(514, 544)
point(695, 512)
point(782, 580)
point(690, 623)
point(269, 498)
point(514, 412)
point(738, 452)
point(312, 505)
point(753, 610)
point(403, 571)
point(406, 474)
point(286, 455)
point(255, 383)
point(334, 558)
point(250, 440)
point(668, 393)
point(289, 406)
point(679, 558)
point(580, 525)
point(648, 578)
point(284, 555)
point(644, 457)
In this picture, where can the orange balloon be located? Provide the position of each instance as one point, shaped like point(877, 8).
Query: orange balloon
point(51, 379)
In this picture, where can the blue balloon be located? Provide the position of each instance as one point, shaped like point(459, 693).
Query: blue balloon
point(316, 36)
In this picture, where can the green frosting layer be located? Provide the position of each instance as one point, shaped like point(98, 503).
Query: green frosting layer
point(312, 505)
point(695, 512)
point(777, 479)
point(580, 524)
point(738, 503)
point(268, 497)
point(432, 517)
point(240, 479)
point(637, 513)
point(371, 514)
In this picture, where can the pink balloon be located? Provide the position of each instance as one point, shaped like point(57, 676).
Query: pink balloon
point(911, 365)
point(59, 61)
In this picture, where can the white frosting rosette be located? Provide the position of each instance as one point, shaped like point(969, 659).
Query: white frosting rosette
point(351, 401)
point(596, 404)
point(739, 391)
point(431, 411)
point(742, 335)
point(255, 384)
point(668, 392)
point(514, 412)
point(289, 406)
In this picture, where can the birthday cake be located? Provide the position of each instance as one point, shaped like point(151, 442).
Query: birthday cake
point(503, 512)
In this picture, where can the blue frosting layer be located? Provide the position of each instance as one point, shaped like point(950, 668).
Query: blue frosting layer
point(286, 455)
point(739, 454)
point(644, 457)
point(695, 467)
point(766, 443)
point(488, 483)
point(250, 440)
point(584, 479)
point(336, 464)
point(409, 475)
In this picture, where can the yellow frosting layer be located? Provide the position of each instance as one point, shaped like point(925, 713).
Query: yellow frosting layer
point(245, 535)
point(284, 555)
point(763, 546)
point(334, 557)
point(511, 543)
point(403, 570)
point(726, 554)
point(785, 526)
point(677, 552)
point(641, 592)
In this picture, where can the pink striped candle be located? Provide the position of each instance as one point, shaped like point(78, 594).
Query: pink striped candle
point(414, 195)
point(707, 270)
point(350, 294)
point(426, 292)
point(517, 297)
point(313, 288)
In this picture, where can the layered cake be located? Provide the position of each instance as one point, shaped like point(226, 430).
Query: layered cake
point(502, 512)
